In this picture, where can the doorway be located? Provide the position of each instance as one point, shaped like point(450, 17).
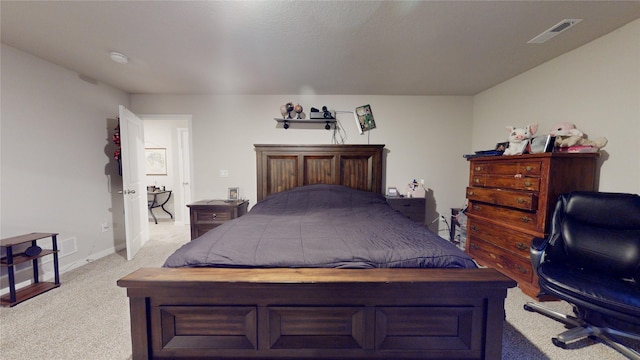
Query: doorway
point(168, 137)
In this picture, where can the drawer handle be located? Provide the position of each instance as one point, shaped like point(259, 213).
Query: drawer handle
point(529, 168)
point(522, 269)
point(525, 219)
point(476, 180)
point(474, 246)
point(528, 183)
point(474, 228)
point(470, 193)
point(476, 207)
point(214, 216)
point(478, 168)
point(520, 200)
point(521, 246)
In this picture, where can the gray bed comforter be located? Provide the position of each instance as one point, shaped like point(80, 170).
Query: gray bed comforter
point(317, 226)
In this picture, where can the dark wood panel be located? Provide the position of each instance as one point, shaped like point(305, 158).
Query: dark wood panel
point(321, 313)
point(319, 170)
point(284, 167)
point(212, 327)
point(317, 327)
point(428, 328)
point(356, 172)
point(283, 173)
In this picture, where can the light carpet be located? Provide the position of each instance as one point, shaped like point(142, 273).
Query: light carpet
point(87, 317)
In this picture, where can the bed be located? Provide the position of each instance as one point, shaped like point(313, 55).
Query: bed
point(322, 298)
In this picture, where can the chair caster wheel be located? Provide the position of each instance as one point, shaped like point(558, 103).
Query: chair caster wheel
point(558, 343)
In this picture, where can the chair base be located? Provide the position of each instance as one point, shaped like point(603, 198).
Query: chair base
point(581, 329)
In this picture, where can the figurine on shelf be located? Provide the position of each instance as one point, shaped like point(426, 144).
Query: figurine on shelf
point(286, 110)
point(298, 109)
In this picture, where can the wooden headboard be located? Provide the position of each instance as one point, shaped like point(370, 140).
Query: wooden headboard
point(284, 167)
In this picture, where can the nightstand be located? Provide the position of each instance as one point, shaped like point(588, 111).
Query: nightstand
point(208, 214)
point(413, 208)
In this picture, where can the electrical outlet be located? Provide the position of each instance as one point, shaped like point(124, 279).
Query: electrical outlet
point(422, 181)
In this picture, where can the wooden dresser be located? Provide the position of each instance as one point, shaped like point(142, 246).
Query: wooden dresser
point(208, 214)
point(511, 200)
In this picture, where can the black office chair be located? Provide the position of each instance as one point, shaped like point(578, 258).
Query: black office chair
point(591, 260)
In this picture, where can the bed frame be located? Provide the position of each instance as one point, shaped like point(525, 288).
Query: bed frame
point(286, 313)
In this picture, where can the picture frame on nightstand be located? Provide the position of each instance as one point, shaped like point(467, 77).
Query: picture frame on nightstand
point(392, 192)
point(233, 194)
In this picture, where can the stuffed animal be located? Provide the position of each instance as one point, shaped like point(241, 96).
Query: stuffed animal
point(567, 135)
point(519, 138)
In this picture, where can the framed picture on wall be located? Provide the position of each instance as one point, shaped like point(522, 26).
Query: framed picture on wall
point(156, 161)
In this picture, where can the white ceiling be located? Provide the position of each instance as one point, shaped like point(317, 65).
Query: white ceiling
point(306, 47)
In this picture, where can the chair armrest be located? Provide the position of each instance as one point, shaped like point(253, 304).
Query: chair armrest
point(536, 251)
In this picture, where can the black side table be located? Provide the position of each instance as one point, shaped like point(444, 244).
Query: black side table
point(155, 203)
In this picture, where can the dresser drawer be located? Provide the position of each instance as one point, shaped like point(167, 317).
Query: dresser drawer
point(510, 240)
point(506, 182)
point(489, 255)
point(523, 168)
point(515, 199)
point(519, 218)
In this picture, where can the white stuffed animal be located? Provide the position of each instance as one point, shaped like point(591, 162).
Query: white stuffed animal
point(519, 139)
point(567, 135)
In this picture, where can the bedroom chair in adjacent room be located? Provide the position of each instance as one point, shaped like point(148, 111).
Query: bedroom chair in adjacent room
point(591, 260)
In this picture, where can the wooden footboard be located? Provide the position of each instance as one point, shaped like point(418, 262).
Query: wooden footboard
point(316, 313)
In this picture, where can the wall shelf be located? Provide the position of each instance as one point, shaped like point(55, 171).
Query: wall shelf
point(286, 122)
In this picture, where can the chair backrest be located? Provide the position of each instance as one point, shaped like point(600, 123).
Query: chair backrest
point(598, 231)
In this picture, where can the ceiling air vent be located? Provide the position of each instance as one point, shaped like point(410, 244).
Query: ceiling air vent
point(554, 30)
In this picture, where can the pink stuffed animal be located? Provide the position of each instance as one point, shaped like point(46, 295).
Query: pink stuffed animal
point(519, 138)
point(567, 135)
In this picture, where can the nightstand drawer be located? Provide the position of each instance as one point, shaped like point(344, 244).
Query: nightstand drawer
point(213, 215)
point(208, 214)
point(413, 208)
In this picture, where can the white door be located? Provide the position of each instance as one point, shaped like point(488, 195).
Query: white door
point(185, 172)
point(134, 188)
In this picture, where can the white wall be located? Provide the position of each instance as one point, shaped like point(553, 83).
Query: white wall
point(596, 87)
point(425, 137)
point(57, 166)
